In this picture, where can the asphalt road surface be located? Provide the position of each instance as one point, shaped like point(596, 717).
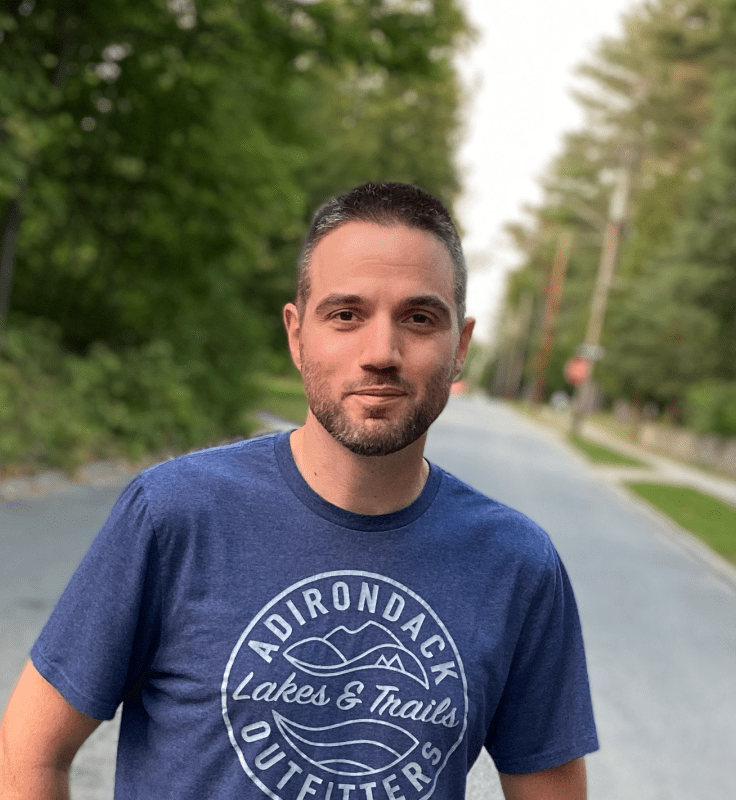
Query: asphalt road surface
point(659, 625)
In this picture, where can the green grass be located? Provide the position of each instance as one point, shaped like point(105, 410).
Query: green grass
point(711, 520)
point(603, 455)
point(283, 396)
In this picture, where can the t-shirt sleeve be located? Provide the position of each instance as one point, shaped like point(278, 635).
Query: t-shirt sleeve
point(98, 640)
point(545, 715)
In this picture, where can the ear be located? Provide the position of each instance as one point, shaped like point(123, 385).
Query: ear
point(292, 324)
point(462, 348)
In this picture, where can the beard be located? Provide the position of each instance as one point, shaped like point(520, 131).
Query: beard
point(382, 435)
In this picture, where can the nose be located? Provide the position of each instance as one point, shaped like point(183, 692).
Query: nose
point(381, 346)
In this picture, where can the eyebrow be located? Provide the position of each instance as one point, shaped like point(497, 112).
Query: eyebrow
point(334, 300)
point(430, 301)
point(421, 301)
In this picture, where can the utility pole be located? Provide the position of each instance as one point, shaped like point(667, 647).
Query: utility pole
point(591, 349)
point(551, 312)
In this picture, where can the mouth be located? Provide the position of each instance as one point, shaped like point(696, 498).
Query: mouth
point(379, 391)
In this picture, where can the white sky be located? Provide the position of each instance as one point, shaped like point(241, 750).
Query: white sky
point(520, 72)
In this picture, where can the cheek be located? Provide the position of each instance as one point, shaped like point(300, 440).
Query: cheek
point(434, 359)
point(329, 355)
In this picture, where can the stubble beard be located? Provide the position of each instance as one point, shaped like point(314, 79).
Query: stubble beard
point(383, 436)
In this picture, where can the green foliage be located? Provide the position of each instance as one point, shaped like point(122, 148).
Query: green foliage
point(661, 339)
point(710, 407)
point(709, 519)
point(603, 455)
point(171, 155)
point(58, 409)
point(172, 151)
point(662, 100)
point(283, 396)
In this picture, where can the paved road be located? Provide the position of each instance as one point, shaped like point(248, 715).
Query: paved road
point(660, 625)
point(42, 540)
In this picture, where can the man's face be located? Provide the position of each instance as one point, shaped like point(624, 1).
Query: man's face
point(378, 342)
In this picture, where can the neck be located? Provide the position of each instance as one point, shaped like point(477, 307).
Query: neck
point(360, 484)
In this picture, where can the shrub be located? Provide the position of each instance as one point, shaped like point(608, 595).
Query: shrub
point(60, 409)
point(710, 407)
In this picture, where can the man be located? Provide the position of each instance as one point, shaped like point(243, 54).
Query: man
point(322, 614)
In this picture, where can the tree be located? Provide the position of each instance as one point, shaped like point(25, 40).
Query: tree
point(651, 99)
point(164, 135)
point(159, 161)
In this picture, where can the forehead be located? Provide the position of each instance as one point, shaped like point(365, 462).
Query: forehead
point(367, 255)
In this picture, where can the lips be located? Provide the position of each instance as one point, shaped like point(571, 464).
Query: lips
point(378, 397)
point(379, 391)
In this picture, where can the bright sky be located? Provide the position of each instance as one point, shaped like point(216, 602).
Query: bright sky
point(520, 72)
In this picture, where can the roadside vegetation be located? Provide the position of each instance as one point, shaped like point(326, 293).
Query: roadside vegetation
point(159, 165)
point(594, 451)
point(707, 518)
point(60, 410)
point(603, 455)
point(710, 519)
point(284, 397)
point(659, 103)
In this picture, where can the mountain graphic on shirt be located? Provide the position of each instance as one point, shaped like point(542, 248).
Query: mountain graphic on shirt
point(341, 651)
point(356, 747)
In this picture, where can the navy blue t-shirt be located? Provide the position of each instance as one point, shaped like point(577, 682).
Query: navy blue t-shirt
point(265, 642)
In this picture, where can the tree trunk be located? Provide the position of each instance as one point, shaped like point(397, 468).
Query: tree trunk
point(8, 237)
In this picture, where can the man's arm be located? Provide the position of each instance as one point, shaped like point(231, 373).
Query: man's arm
point(566, 782)
point(39, 737)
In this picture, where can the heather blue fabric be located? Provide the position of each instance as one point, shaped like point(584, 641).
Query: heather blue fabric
point(266, 643)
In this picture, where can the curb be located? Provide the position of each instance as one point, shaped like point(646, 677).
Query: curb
point(615, 477)
point(697, 549)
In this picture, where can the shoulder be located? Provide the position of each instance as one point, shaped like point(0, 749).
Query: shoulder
point(506, 531)
point(240, 461)
point(207, 481)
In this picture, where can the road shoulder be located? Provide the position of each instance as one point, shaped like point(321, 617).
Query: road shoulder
point(657, 469)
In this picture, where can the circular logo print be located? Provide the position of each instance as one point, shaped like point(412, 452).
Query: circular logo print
point(347, 686)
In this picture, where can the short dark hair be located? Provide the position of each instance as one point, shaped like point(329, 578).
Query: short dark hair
point(386, 204)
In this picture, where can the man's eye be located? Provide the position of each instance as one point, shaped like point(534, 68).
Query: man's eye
point(345, 316)
point(421, 319)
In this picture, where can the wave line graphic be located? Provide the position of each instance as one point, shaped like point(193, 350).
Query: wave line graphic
point(335, 748)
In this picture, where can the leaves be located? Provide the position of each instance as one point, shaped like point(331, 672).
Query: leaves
point(662, 97)
point(173, 153)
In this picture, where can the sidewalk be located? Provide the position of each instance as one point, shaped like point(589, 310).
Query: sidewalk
point(658, 469)
point(661, 469)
